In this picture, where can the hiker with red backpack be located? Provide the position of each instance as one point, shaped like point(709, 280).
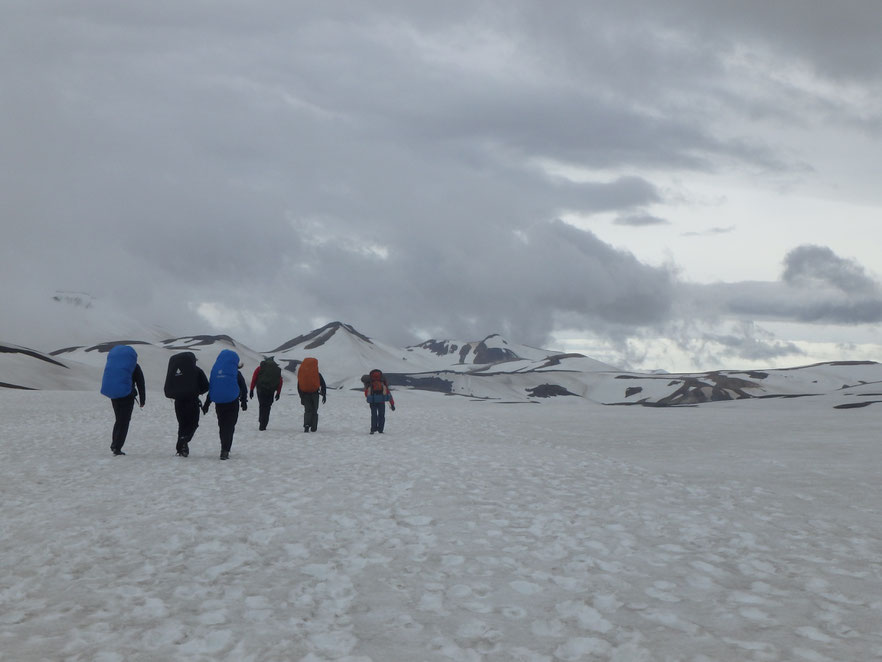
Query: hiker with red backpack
point(310, 385)
point(267, 378)
point(377, 394)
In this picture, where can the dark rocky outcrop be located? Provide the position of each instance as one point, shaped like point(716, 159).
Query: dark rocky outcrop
point(420, 382)
point(438, 347)
point(28, 352)
point(105, 347)
point(485, 354)
point(320, 336)
point(548, 391)
point(16, 386)
point(186, 342)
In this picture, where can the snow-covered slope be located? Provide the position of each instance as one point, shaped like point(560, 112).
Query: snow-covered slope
point(344, 354)
point(491, 369)
point(848, 379)
point(23, 368)
point(492, 350)
point(153, 357)
point(77, 318)
point(469, 532)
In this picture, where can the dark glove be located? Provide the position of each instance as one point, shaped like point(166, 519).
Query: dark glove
point(251, 395)
point(324, 399)
point(392, 407)
point(205, 408)
point(277, 397)
point(244, 405)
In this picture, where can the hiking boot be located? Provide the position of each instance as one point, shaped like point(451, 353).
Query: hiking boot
point(185, 450)
point(306, 428)
point(224, 455)
point(117, 451)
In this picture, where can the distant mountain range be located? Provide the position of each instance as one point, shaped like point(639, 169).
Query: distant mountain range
point(491, 369)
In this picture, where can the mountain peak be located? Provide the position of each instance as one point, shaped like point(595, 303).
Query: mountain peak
point(320, 336)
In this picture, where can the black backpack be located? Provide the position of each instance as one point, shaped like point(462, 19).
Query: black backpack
point(269, 375)
point(181, 379)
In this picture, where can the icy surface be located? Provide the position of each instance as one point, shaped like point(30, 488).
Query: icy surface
point(469, 531)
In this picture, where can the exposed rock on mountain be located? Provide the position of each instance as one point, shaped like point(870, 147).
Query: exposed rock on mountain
point(491, 369)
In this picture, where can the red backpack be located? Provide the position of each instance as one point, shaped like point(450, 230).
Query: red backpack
point(378, 382)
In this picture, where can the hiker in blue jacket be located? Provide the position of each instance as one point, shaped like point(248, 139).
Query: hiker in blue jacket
point(122, 381)
point(228, 390)
point(377, 394)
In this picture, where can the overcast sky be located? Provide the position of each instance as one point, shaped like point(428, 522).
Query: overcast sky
point(681, 184)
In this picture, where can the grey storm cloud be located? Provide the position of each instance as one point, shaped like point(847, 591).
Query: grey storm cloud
point(748, 344)
point(640, 220)
point(381, 162)
point(511, 282)
point(810, 266)
point(816, 286)
point(710, 231)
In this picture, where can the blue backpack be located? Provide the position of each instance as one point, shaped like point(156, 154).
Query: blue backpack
point(117, 379)
point(223, 386)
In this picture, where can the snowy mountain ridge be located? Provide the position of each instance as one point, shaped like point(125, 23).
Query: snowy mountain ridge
point(492, 369)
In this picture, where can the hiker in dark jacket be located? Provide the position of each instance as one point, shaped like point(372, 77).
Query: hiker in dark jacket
point(122, 381)
point(377, 394)
point(228, 390)
point(310, 386)
point(184, 383)
point(267, 378)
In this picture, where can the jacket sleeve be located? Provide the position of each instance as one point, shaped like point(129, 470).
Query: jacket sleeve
point(138, 382)
point(203, 382)
point(254, 377)
point(243, 388)
point(323, 389)
point(279, 389)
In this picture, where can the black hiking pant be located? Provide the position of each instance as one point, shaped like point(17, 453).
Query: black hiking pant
point(265, 401)
point(378, 416)
point(310, 410)
point(122, 410)
point(187, 412)
point(227, 415)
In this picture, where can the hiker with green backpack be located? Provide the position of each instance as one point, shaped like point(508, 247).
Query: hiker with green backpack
point(267, 379)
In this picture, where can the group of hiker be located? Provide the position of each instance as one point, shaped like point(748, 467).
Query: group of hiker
point(186, 383)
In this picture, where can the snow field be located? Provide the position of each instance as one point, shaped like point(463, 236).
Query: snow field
point(470, 531)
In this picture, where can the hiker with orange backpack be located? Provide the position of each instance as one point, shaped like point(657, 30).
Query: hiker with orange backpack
point(377, 394)
point(310, 385)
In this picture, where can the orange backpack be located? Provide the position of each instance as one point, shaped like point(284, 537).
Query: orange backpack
point(308, 376)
